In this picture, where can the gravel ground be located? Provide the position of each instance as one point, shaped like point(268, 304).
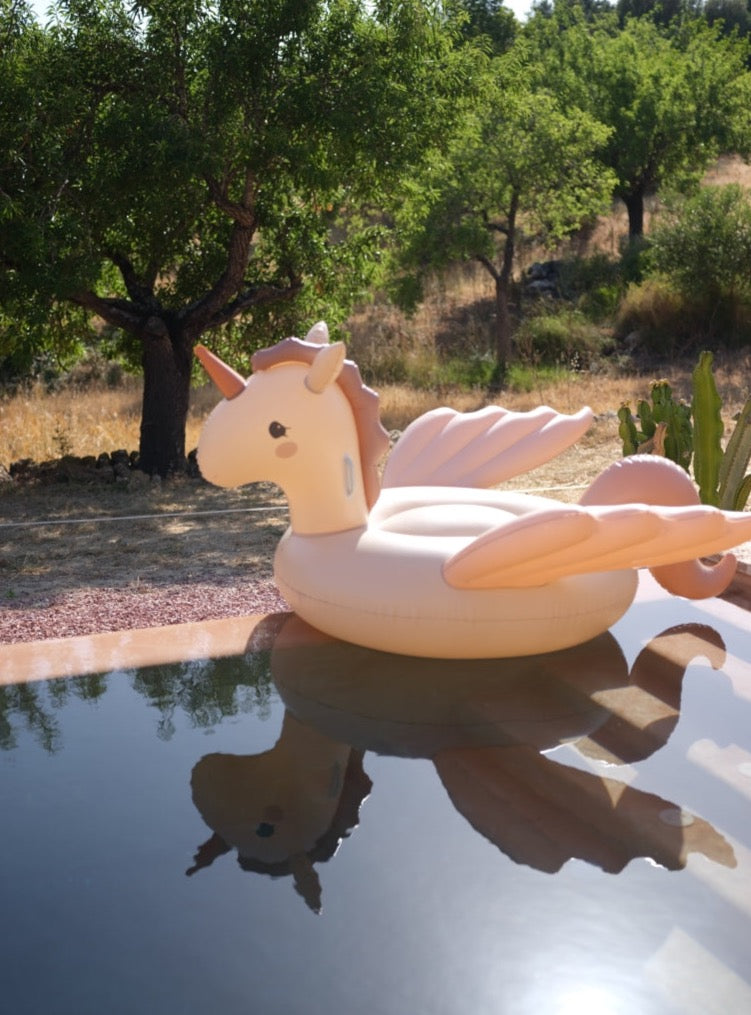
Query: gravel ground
point(90, 610)
point(76, 560)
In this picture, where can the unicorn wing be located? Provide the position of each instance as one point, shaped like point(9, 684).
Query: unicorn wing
point(480, 449)
point(543, 546)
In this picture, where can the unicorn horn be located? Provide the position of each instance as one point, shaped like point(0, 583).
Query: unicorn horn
point(319, 334)
point(229, 382)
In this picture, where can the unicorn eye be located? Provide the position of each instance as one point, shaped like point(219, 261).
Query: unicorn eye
point(265, 830)
point(277, 429)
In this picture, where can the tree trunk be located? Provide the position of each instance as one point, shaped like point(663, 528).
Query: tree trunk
point(635, 207)
point(167, 360)
point(502, 323)
point(502, 287)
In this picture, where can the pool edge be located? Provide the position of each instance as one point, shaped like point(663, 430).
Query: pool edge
point(21, 662)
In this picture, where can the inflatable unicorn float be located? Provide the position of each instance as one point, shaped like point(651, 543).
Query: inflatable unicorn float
point(428, 560)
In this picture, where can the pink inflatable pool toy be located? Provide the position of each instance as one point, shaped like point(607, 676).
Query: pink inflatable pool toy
point(428, 561)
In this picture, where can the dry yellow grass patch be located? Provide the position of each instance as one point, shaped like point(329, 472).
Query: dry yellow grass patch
point(44, 426)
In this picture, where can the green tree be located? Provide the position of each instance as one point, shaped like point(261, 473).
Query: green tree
point(489, 20)
point(662, 12)
point(734, 15)
point(179, 166)
point(673, 98)
point(520, 163)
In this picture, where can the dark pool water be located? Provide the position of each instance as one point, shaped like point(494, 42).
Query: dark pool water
point(316, 828)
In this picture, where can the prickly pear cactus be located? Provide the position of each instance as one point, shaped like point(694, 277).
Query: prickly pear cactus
point(679, 431)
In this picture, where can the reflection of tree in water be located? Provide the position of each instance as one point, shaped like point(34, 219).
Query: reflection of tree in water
point(33, 707)
point(206, 691)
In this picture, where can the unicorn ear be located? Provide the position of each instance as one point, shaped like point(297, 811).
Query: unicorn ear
point(325, 368)
point(319, 334)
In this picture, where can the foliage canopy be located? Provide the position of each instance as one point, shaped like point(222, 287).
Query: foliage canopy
point(175, 166)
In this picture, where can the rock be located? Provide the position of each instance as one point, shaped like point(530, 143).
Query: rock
point(542, 278)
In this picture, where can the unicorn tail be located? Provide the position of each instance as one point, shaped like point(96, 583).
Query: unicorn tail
point(652, 479)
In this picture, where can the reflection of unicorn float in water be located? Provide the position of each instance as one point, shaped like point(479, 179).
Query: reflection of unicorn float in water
point(432, 563)
point(487, 725)
point(487, 733)
point(284, 810)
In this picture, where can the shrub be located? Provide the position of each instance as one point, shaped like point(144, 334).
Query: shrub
point(703, 243)
point(594, 283)
point(702, 246)
point(564, 339)
point(662, 321)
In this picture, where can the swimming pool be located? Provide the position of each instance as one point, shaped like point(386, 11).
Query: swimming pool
point(244, 816)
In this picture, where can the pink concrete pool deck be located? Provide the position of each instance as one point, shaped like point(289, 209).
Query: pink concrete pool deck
point(116, 650)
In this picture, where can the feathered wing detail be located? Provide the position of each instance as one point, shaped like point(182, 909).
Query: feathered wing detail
point(652, 479)
point(480, 449)
point(546, 545)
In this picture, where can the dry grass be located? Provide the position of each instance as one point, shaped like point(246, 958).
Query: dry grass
point(44, 426)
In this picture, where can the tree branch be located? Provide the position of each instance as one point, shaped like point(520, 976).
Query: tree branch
point(240, 211)
point(253, 297)
point(119, 313)
point(494, 227)
point(139, 290)
point(488, 265)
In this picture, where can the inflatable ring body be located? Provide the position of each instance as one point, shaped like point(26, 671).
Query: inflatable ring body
point(382, 586)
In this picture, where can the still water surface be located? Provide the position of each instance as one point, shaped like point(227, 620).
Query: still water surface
point(316, 828)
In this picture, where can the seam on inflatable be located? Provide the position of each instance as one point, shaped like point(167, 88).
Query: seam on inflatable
point(362, 609)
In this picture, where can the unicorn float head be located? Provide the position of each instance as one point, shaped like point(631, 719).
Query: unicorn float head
point(430, 560)
point(270, 427)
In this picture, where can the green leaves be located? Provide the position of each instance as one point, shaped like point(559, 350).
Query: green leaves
point(209, 152)
point(703, 244)
point(673, 97)
point(518, 163)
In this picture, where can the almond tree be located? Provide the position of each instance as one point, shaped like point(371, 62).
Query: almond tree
point(175, 166)
point(519, 163)
point(673, 97)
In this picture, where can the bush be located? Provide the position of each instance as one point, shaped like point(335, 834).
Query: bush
point(702, 246)
point(564, 339)
point(656, 318)
point(594, 283)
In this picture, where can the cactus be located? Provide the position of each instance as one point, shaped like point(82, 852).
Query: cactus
point(665, 426)
point(708, 430)
point(627, 431)
point(734, 484)
point(679, 431)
